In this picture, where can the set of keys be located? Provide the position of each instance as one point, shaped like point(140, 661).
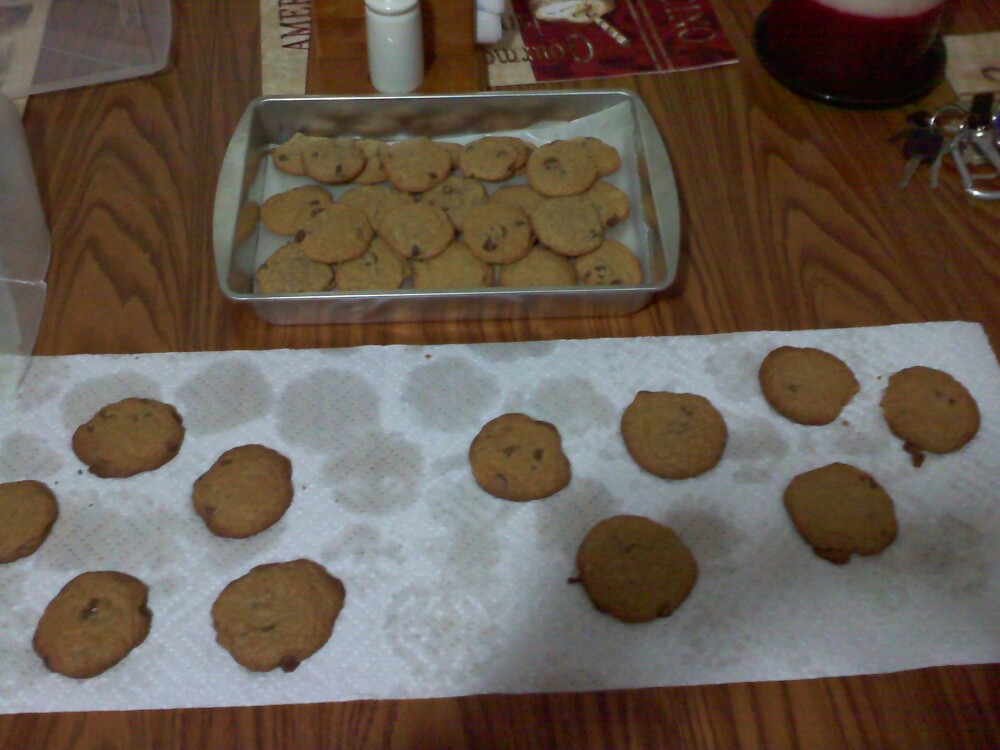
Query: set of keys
point(969, 135)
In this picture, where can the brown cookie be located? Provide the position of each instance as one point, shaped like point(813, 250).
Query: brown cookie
point(379, 268)
point(561, 168)
point(808, 386)
point(454, 151)
point(417, 231)
point(515, 457)
point(456, 195)
point(244, 492)
point(493, 158)
point(499, 233)
point(611, 203)
point(374, 170)
point(376, 201)
point(246, 222)
point(416, 165)
point(129, 437)
point(605, 157)
point(540, 267)
point(673, 435)
point(840, 510)
point(333, 160)
point(291, 271)
point(288, 156)
point(611, 264)
point(277, 615)
point(455, 268)
point(93, 623)
point(28, 509)
point(287, 212)
point(570, 226)
point(524, 197)
point(929, 410)
point(338, 233)
point(635, 569)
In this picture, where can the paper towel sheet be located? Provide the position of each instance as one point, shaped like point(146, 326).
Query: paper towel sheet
point(451, 591)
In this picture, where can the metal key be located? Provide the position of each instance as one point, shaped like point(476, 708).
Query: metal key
point(923, 143)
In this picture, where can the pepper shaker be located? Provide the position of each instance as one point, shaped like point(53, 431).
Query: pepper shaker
point(395, 45)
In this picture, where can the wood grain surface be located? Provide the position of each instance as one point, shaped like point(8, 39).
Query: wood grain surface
point(792, 219)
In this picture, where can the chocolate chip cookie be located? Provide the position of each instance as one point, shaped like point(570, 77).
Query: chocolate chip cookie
point(128, 437)
point(417, 231)
point(340, 232)
point(806, 385)
point(278, 615)
point(561, 168)
point(498, 233)
point(416, 165)
point(455, 268)
point(376, 201)
point(290, 271)
point(93, 623)
point(456, 195)
point(611, 264)
point(635, 569)
point(571, 226)
point(515, 457)
point(539, 268)
point(287, 212)
point(929, 410)
point(379, 268)
point(28, 509)
point(333, 160)
point(493, 158)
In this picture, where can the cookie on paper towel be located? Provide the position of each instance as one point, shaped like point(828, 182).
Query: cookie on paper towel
point(806, 385)
point(28, 509)
point(128, 437)
point(515, 457)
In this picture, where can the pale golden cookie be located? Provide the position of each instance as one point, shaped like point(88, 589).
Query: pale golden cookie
point(287, 212)
point(456, 195)
point(338, 233)
point(840, 510)
point(524, 197)
point(561, 168)
point(374, 171)
point(379, 268)
point(498, 233)
point(673, 435)
point(28, 510)
point(808, 386)
point(611, 203)
point(605, 157)
point(376, 201)
point(288, 156)
point(611, 264)
point(571, 226)
point(515, 457)
point(128, 437)
point(540, 267)
point(635, 569)
point(93, 623)
point(455, 268)
point(291, 271)
point(278, 615)
point(416, 165)
point(417, 231)
point(333, 161)
point(929, 410)
point(493, 158)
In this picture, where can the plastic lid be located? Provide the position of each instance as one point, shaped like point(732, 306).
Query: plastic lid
point(391, 7)
point(84, 43)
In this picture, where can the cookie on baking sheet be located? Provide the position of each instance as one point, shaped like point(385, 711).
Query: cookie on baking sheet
point(635, 569)
point(456, 195)
point(248, 489)
point(455, 268)
point(291, 271)
point(493, 158)
point(841, 510)
point(561, 168)
point(129, 437)
point(929, 410)
point(278, 614)
point(374, 170)
point(515, 457)
point(611, 203)
point(499, 233)
point(454, 151)
point(571, 226)
point(379, 268)
point(338, 233)
point(333, 160)
point(416, 165)
point(246, 222)
point(93, 623)
point(611, 264)
point(376, 201)
point(28, 509)
point(417, 231)
point(287, 157)
point(673, 435)
point(285, 213)
point(604, 156)
point(524, 197)
point(808, 386)
point(540, 267)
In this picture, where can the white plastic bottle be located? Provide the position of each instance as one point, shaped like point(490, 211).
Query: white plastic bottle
point(395, 45)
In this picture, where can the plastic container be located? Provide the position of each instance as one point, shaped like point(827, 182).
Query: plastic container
point(25, 248)
point(85, 42)
point(395, 45)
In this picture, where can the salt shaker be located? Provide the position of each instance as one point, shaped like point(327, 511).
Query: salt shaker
point(395, 45)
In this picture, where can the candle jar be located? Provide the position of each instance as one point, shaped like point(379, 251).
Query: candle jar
point(853, 53)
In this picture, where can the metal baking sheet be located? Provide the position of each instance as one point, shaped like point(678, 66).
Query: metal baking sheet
point(248, 178)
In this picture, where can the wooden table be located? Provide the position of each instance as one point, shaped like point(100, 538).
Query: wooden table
point(792, 220)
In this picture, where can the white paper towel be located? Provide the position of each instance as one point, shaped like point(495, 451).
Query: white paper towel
point(451, 591)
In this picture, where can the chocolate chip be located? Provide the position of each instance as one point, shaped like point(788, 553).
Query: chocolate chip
point(414, 250)
point(289, 664)
point(537, 455)
point(300, 235)
point(489, 245)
